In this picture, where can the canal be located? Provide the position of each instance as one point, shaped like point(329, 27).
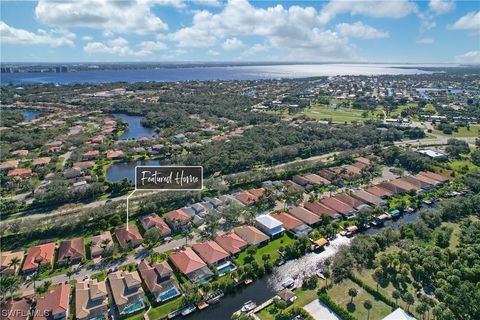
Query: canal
point(135, 128)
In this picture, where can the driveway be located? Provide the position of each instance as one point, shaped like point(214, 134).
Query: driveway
point(320, 311)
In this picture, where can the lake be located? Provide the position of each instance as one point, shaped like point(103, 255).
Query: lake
point(28, 115)
point(211, 73)
point(135, 128)
point(118, 171)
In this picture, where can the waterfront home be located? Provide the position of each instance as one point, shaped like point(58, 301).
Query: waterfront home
point(293, 224)
point(16, 309)
point(316, 179)
point(351, 201)
point(6, 258)
point(154, 221)
point(246, 198)
point(84, 164)
point(191, 265)
point(130, 237)
point(251, 235)
point(37, 255)
point(159, 281)
point(321, 210)
point(127, 292)
point(303, 214)
point(210, 252)
point(54, 304)
point(20, 173)
point(91, 300)
point(337, 205)
point(437, 177)
point(269, 225)
point(231, 242)
point(368, 198)
point(394, 188)
point(100, 243)
point(114, 154)
point(71, 251)
point(417, 183)
point(178, 220)
point(379, 192)
point(287, 295)
point(405, 184)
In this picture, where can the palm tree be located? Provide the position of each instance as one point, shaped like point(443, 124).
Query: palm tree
point(377, 276)
point(104, 244)
point(352, 292)
point(4, 286)
point(396, 295)
point(409, 300)
point(14, 285)
point(15, 262)
point(326, 273)
point(367, 304)
point(33, 280)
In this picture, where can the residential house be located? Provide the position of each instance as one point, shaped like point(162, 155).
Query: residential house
point(91, 300)
point(6, 257)
point(438, 177)
point(351, 201)
point(38, 255)
point(130, 237)
point(404, 184)
point(393, 187)
point(71, 250)
point(367, 197)
point(231, 242)
point(115, 154)
point(159, 281)
point(316, 179)
point(380, 192)
point(399, 314)
point(300, 180)
point(426, 179)
point(20, 173)
point(246, 198)
point(41, 161)
point(54, 305)
point(216, 203)
point(287, 295)
point(90, 155)
point(305, 215)
point(293, 224)
point(100, 243)
point(154, 221)
point(210, 252)
point(269, 225)
point(19, 153)
point(191, 265)
point(178, 220)
point(342, 208)
point(417, 183)
point(84, 164)
point(127, 292)
point(321, 210)
point(16, 309)
point(328, 174)
point(259, 192)
point(73, 172)
point(251, 235)
point(10, 164)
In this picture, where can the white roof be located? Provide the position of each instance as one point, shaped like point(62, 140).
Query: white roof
point(268, 221)
point(399, 314)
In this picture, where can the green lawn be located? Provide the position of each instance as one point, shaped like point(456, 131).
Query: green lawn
point(164, 309)
point(340, 115)
point(271, 248)
point(462, 132)
point(339, 294)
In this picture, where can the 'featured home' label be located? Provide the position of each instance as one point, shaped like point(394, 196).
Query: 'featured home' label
point(169, 178)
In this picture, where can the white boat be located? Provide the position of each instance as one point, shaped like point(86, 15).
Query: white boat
point(189, 309)
point(288, 283)
point(248, 306)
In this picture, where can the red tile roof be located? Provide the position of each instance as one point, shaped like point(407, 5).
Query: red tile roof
point(210, 251)
point(112, 154)
point(20, 172)
point(246, 198)
point(153, 274)
point(40, 254)
point(39, 161)
point(319, 209)
point(132, 235)
point(231, 242)
point(16, 309)
point(153, 220)
point(251, 235)
point(303, 214)
point(379, 192)
point(337, 205)
point(289, 221)
point(257, 192)
point(186, 260)
point(178, 214)
point(345, 198)
point(53, 303)
point(434, 176)
point(73, 248)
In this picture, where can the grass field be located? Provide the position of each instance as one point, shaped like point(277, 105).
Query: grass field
point(339, 294)
point(462, 132)
point(164, 309)
point(271, 248)
point(339, 115)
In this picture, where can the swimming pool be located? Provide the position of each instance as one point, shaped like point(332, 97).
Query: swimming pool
point(134, 307)
point(169, 294)
point(226, 268)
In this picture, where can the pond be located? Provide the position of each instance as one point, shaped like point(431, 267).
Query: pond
point(118, 171)
point(135, 128)
point(29, 115)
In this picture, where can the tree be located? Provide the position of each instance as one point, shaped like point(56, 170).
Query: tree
point(421, 309)
point(352, 292)
point(34, 277)
point(456, 147)
point(378, 276)
point(396, 295)
point(15, 262)
point(152, 236)
point(14, 285)
point(367, 304)
point(326, 274)
point(409, 299)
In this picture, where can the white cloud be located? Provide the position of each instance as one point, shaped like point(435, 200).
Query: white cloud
point(233, 44)
point(425, 41)
point(469, 57)
point(441, 6)
point(253, 50)
point(87, 38)
point(118, 46)
point(153, 46)
point(211, 3)
point(53, 38)
point(469, 21)
point(360, 30)
point(134, 16)
point(213, 53)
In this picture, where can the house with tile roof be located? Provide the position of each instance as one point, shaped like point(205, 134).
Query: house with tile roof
point(246, 198)
point(127, 292)
point(305, 215)
point(41, 161)
point(16, 309)
point(191, 265)
point(380, 192)
point(321, 210)
point(157, 277)
point(154, 221)
point(100, 243)
point(351, 201)
point(91, 300)
point(72, 250)
point(130, 237)
point(293, 224)
point(54, 304)
point(269, 225)
point(368, 198)
point(6, 257)
point(342, 208)
point(178, 220)
point(231, 242)
point(316, 179)
point(20, 173)
point(210, 252)
point(251, 235)
point(435, 176)
point(37, 255)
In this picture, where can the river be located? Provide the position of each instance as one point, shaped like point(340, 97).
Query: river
point(212, 73)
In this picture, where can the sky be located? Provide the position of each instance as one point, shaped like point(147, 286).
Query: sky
point(394, 31)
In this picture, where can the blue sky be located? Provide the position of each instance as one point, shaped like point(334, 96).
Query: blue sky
point(435, 31)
